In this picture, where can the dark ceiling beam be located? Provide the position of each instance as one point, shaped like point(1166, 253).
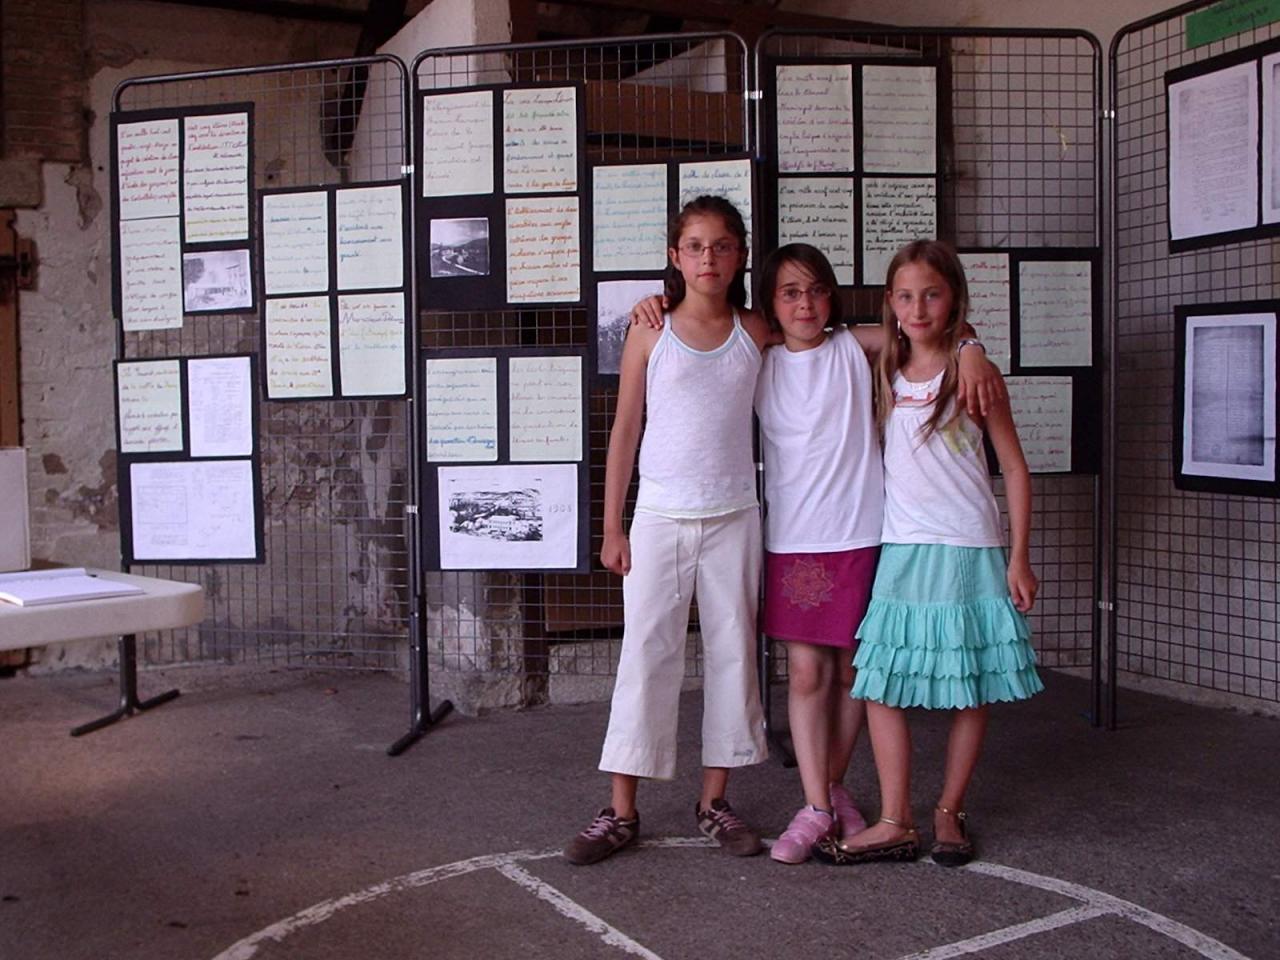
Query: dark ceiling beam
point(754, 15)
point(320, 12)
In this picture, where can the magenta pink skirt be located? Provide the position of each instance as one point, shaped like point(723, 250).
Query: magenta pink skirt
point(818, 598)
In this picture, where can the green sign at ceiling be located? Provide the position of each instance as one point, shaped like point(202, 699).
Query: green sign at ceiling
point(1227, 18)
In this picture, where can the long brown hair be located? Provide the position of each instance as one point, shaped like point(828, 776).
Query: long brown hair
point(673, 279)
point(942, 258)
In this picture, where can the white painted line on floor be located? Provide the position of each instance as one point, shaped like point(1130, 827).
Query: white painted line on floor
point(1007, 934)
point(575, 911)
point(1095, 903)
point(1201, 943)
point(320, 912)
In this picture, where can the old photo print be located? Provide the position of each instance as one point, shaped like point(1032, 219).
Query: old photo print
point(460, 248)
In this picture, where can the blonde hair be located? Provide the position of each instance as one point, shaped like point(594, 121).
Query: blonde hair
point(941, 257)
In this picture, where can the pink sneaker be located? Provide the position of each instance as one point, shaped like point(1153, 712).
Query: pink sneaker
point(806, 828)
point(848, 818)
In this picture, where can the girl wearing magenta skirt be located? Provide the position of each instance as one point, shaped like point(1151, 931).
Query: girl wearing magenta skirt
point(945, 629)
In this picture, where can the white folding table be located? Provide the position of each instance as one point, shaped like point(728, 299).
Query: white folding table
point(163, 605)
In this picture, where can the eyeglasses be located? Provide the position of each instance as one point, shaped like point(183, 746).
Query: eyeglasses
point(819, 291)
point(721, 248)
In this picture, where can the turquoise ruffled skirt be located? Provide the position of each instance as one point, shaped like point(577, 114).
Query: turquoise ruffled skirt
point(942, 632)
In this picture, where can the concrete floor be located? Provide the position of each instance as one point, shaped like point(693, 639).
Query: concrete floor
point(259, 816)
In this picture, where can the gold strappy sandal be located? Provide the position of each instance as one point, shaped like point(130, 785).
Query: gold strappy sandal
point(836, 852)
point(951, 853)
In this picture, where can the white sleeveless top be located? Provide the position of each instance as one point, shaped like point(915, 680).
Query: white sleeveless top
point(695, 456)
point(824, 485)
point(938, 490)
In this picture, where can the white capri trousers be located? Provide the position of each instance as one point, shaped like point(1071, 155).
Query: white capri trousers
point(719, 559)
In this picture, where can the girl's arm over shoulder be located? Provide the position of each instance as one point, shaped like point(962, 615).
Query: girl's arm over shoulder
point(1017, 486)
point(870, 338)
point(756, 325)
point(624, 440)
point(649, 312)
point(981, 387)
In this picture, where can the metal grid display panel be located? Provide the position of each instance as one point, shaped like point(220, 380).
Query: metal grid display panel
point(1195, 574)
point(648, 99)
point(1021, 168)
point(334, 589)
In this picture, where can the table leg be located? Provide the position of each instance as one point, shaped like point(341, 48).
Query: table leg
point(129, 702)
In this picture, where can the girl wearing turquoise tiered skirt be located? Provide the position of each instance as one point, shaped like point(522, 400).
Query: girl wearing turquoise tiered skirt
point(946, 628)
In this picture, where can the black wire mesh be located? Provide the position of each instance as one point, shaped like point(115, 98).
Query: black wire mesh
point(334, 589)
point(1021, 168)
point(646, 99)
point(1196, 573)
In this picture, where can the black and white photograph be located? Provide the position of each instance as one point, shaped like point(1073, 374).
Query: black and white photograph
point(508, 517)
point(614, 300)
point(1229, 396)
point(460, 248)
point(216, 281)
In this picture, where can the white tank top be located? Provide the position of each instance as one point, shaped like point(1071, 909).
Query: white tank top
point(938, 490)
point(823, 482)
point(695, 456)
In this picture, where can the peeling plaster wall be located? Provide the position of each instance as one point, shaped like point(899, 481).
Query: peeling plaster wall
point(66, 328)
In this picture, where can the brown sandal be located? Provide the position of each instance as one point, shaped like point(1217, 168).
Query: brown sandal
point(836, 852)
point(950, 853)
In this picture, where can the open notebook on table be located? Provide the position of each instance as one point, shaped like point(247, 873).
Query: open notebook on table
point(29, 588)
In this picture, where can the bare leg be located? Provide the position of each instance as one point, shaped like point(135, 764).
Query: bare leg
point(714, 782)
point(811, 669)
point(624, 794)
point(964, 744)
point(847, 717)
point(891, 742)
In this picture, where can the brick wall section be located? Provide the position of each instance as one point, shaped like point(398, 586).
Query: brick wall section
point(42, 50)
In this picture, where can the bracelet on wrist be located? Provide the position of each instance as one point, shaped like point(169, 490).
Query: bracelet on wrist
point(969, 342)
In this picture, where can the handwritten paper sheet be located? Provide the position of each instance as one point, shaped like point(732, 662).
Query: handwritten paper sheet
point(149, 405)
point(1229, 397)
point(299, 348)
point(895, 211)
point(220, 404)
point(730, 179)
point(899, 119)
point(508, 517)
point(545, 408)
point(462, 408)
point(1271, 138)
point(150, 274)
point(819, 210)
point(614, 300)
point(990, 304)
point(193, 510)
point(295, 242)
point(215, 177)
point(629, 218)
point(1055, 313)
point(457, 143)
point(1042, 413)
point(544, 256)
point(540, 140)
point(370, 238)
point(372, 337)
point(814, 112)
point(147, 169)
point(1213, 152)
